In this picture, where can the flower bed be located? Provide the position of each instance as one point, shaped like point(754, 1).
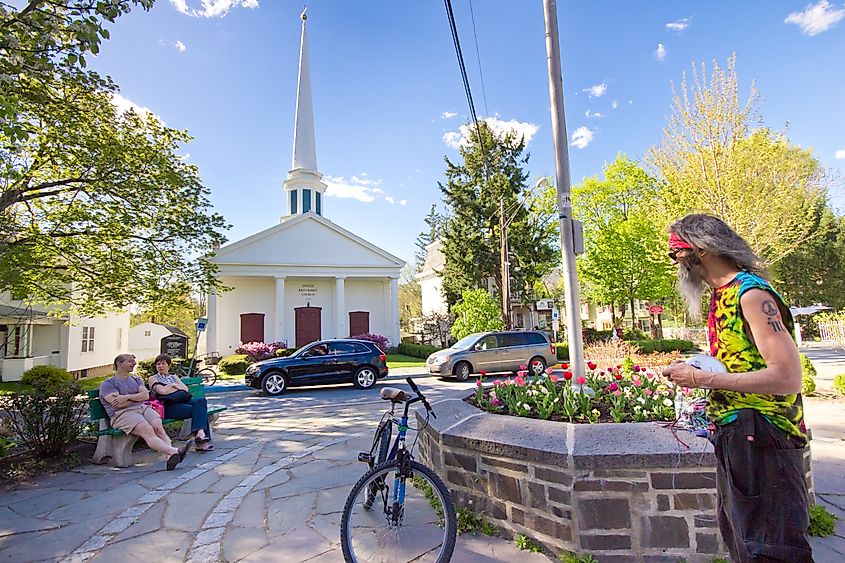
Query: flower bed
point(624, 393)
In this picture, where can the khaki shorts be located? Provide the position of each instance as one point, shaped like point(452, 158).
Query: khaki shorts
point(127, 419)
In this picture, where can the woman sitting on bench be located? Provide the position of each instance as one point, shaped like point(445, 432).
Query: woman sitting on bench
point(179, 404)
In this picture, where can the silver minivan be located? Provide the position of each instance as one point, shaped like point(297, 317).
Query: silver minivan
point(493, 352)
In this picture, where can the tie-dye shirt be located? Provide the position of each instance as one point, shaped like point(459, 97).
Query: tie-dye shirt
point(728, 334)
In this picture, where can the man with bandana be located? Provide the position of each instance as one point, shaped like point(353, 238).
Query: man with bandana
point(756, 405)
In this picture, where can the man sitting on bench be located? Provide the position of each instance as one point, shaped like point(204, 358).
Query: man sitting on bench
point(123, 396)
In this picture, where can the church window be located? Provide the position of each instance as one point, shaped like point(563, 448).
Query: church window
point(319, 203)
point(292, 202)
point(306, 201)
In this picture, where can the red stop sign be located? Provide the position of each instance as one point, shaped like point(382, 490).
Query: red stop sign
point(655, 309)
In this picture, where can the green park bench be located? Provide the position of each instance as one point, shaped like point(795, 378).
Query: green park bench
point(115, 444)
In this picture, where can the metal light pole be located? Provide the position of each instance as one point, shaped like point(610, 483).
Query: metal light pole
point(567, 243)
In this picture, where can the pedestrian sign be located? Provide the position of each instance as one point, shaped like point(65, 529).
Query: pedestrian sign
point(555, 315)
point(201, 324)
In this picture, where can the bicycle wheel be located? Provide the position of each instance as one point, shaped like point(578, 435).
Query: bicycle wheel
point(382, 441)
point(209, 376)
point(423, 528)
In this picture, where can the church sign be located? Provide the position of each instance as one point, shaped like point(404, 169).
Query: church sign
point(307, 290)
point(175, 345)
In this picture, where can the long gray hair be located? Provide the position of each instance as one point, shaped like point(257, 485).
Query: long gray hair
point(710, 233)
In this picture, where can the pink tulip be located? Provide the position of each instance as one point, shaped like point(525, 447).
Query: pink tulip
point(637, 382)
point(617, 392)
point(554, 378)
point(647, 392)
point(612, 387)
point(549, 370)
point(637, 369)
point(581, 380)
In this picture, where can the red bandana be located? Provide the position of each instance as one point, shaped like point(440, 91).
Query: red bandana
point(676, 242)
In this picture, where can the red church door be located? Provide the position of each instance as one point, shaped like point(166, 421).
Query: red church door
point(252, 327)
point(308, 328)
point(359, 323)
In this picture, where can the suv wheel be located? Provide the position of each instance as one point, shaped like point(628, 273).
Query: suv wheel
point(274, 383)
point(365, 377)
point(536, 366)
point(462, 371)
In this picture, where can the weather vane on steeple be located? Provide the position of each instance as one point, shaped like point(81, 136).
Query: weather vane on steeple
point(303, 15)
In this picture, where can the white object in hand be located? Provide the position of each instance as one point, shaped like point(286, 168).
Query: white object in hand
point(707, 363)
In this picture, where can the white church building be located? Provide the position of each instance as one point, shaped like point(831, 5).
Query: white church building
point(307, 278)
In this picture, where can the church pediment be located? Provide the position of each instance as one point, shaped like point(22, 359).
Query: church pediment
point(306, 240)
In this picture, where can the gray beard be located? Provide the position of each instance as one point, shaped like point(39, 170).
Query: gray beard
point(692, 287)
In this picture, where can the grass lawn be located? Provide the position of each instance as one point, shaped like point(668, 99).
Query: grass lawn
point(9, 387)
point(403, 361)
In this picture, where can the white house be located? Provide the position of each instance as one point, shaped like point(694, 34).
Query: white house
point(430, 280)
point(306, 278)
point(145, 339)
point(84, 346)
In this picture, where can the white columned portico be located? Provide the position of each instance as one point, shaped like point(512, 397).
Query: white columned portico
point(279, 326)
point(394, 312)
point(211, 329)
point(341, 330)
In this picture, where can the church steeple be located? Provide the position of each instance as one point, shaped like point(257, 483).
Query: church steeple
point(303, 188)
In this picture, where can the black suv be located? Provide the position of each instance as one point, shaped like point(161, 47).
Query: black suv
point(328, 361)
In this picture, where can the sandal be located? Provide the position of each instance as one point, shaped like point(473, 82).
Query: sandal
point(204, 445)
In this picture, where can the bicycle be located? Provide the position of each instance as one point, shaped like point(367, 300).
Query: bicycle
point(208, 375)
point(412, 521)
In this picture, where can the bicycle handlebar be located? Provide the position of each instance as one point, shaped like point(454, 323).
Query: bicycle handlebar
point(416, 390)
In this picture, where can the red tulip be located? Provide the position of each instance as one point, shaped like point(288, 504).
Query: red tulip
point(591, 365)
point(567, 375)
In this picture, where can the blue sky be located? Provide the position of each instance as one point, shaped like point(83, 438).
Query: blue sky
point(388, 98)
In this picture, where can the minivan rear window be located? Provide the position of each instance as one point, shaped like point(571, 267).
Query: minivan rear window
point(522, 338)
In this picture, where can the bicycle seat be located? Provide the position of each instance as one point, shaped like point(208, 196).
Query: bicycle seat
point(393, 394)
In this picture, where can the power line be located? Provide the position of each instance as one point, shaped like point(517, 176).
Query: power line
point(478, 58)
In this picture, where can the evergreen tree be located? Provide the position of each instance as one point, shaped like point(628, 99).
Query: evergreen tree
point(434, 221)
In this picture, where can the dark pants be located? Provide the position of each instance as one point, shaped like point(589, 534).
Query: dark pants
point(762, 496)
point(196, 409)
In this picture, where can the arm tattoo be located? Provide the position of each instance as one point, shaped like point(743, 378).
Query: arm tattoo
point(772, 315)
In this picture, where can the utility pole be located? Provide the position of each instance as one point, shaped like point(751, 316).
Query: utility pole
point(505, 270)
point(567, 242)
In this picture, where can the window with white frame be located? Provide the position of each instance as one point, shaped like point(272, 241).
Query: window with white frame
point(87, 339)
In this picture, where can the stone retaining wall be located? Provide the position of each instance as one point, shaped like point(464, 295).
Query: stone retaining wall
point(622, 492)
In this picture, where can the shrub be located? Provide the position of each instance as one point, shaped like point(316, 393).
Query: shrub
point(839, 384)
point(562, 349)
point(634, 334)
point(48, 422)
point(592, 335)
point(257, 351)
point(145, 368)
point(667, 345)
point(822, 522)
point(381, 341)
point(234, 365)
point(46, 377)
point(417, 350)
point(284, 352)
point(808, 374)
point(5, 445)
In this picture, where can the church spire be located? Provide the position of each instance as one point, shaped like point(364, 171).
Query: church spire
point(303, 187)
point(304, 147)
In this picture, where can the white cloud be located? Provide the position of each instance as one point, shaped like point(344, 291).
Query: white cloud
point(455, 139)
point(403, 202)
point(357, 187)
point(660, 53)
point(840, 154)
point(212, 8)
point(125, 104)
point(678, 25)
point(816, 18)
point(180, 46)
point(593, 114)
point(596, 91)
point(614, 104)
point(582, 137)
point(448, 115)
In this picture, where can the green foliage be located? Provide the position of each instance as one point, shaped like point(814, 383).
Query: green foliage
point(715, 158)
point(524, 543)
point(562, 350)
point(625, 255)
point(839, 384)
point(473, 522)
point(410, 303)
point(491, 174)
point(47, 422)
point(98, 210)
point(416, 350)
point(822, 522)
point(476, 312)
point(666, 345)
point(145, 368)
point(575, 558)
point(808, 374)
point(284, 352)
point(434, 222)
point(235, 364)
point(423, 485)
point(47, 378)
point(5, 445)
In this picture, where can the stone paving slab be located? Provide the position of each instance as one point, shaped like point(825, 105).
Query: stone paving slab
point(12, 523)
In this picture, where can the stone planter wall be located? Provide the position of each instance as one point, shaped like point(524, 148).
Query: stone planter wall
point(622, 492)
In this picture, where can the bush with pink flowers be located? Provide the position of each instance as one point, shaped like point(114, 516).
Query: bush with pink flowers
point(381, 341)
point(257, 351)
point(622, 393)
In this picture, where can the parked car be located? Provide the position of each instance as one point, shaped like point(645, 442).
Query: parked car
point(494, 352)
point(328, 361)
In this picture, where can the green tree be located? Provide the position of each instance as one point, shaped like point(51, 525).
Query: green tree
point(625, 255)
point(491, 174)
point(410, 298)
point(434, 221)
point(712, 159)
point(97, 209)
point(476, 312)
point(181, 313)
